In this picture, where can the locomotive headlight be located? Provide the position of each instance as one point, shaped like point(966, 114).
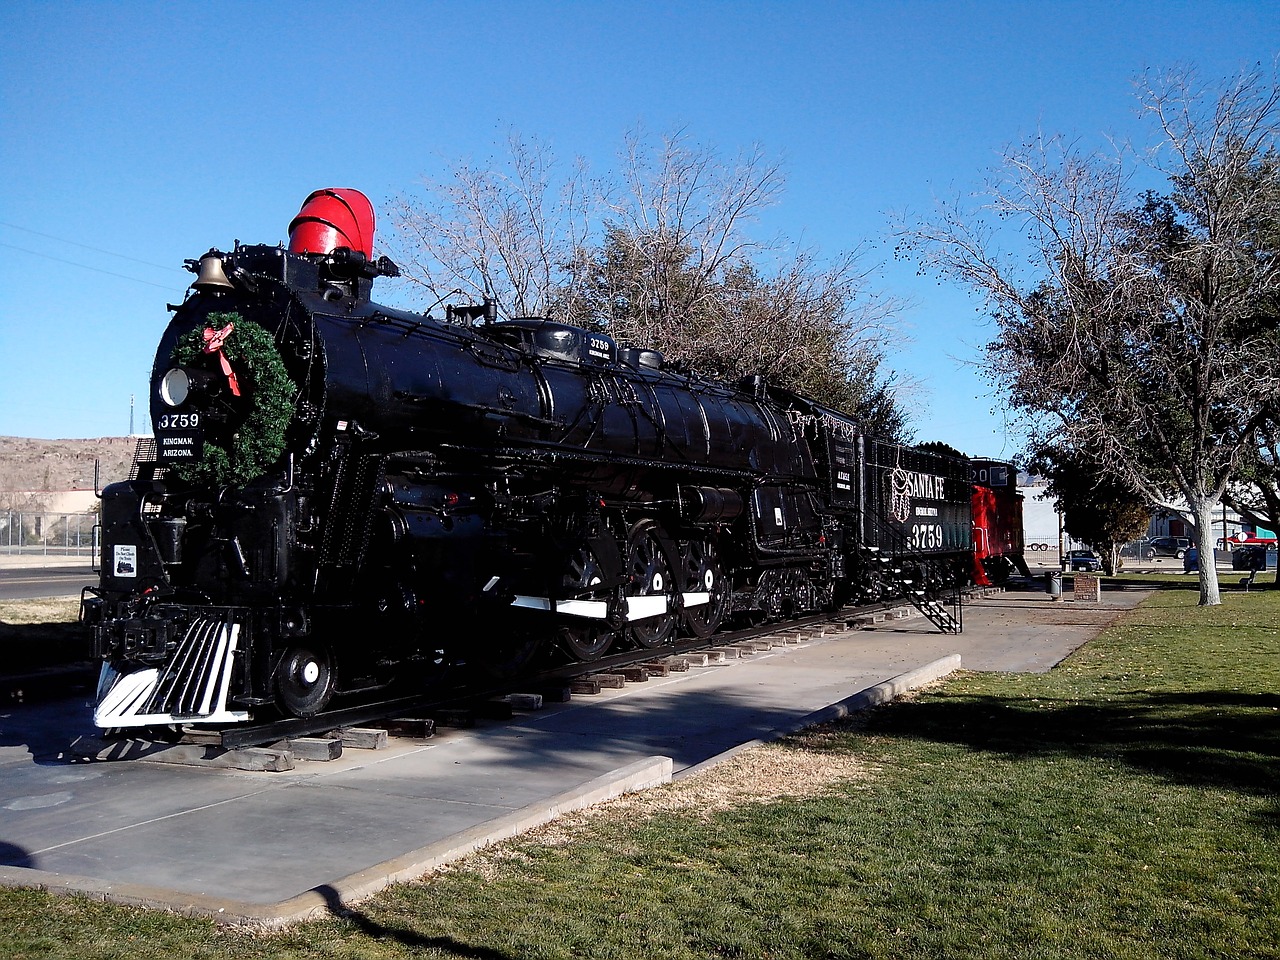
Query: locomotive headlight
point(175, 386)
point(180, 384)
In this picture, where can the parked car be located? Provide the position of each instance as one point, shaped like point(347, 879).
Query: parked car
point(1085, 560)
point(1244, 539)
point(1169, 546)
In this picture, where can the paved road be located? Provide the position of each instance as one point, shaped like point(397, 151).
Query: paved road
point(25, 583)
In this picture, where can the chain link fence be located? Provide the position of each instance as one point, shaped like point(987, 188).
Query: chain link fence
point(48, 534)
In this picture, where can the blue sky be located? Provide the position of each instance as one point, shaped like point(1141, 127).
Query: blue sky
point(136, 135)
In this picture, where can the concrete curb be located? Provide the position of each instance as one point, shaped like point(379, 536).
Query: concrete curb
point(890, 689)
point(334, 898)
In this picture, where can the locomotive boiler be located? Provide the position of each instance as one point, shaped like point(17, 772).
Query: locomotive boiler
point(344, 499)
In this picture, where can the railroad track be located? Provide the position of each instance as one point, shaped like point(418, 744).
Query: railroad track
point(464, 696)
point(272, 745)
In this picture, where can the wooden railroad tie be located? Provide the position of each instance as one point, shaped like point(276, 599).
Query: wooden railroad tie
point(524, 701)
point(261, 759)
point(458, 718)
point(312, 748)
point(360, 738)
point(414, 728)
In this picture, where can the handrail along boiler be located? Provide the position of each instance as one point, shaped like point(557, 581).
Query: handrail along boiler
point(332, 481)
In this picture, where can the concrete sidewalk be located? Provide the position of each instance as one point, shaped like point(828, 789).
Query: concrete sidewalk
point(268, 848)
point(34, 559)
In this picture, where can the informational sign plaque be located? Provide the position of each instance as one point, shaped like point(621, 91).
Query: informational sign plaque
point(1087, 589)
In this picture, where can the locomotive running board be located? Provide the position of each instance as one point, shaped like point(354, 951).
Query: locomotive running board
point(588, 609)
point(638, 608)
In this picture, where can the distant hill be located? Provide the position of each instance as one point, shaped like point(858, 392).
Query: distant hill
point(30, 467)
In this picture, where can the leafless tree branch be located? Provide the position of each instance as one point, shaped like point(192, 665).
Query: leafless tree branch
point(1125, 327)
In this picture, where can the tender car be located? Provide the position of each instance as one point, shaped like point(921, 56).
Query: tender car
point(1085, 560)
point(1170, 546)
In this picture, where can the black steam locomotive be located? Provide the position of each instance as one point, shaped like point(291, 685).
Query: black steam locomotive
point(344, 499)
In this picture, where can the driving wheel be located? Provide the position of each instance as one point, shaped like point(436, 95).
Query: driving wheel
point(706, 591)
point(652, 597)
point(585, 638)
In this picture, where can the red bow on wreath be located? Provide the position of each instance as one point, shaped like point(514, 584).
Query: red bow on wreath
point(213, 341)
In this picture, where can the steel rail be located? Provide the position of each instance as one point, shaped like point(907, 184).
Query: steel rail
point(291, 727)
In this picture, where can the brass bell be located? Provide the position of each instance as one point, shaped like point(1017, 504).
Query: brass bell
point(212, 275)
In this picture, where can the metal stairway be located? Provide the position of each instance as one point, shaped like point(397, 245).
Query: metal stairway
point(945, 614)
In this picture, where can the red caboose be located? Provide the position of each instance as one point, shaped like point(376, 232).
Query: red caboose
point(997, 522)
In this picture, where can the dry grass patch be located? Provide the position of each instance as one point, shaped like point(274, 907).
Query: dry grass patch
point(793, 769)
point(798, 767)
point(47, 610)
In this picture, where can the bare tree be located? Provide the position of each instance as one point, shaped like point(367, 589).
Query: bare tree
point(686, 211)
point(518, 229)
point(1134, 330)
point(659, 255)
point(507, 229)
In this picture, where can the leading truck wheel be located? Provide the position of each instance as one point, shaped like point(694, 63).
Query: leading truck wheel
point(304, 681)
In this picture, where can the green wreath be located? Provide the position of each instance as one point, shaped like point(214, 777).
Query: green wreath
point(264, 406)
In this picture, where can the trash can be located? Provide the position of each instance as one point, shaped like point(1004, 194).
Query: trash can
point(1053, 583)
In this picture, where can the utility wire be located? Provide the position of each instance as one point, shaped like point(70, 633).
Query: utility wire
point(85, 246)
point(85, 266)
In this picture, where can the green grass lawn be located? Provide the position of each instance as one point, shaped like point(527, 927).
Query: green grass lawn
point(1122, 805)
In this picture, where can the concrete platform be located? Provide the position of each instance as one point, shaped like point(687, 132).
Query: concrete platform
point(267, 848)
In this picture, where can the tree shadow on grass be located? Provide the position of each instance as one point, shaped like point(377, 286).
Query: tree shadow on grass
point(406, 937)
point(1223, 739)
point(44, 661)
point(36, 646)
